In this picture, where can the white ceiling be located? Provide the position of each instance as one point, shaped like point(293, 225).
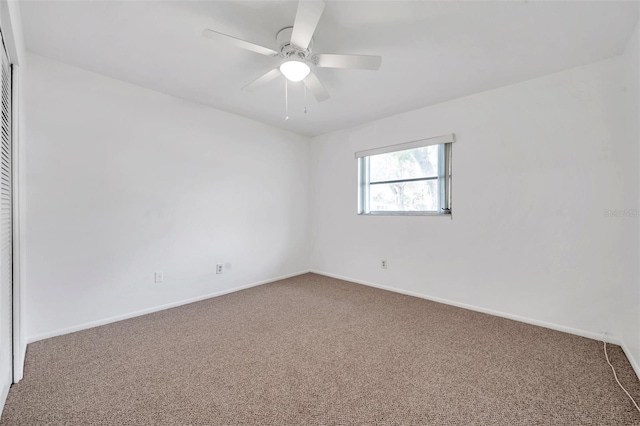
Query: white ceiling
point(432, 51)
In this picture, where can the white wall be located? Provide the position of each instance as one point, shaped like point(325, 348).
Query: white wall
point(631, 292)
point(535, 166)
point(123, 181)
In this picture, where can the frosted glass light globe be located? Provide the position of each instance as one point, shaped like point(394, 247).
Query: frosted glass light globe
point(295, 70)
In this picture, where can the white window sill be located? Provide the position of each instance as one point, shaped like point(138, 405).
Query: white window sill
point(405, 214)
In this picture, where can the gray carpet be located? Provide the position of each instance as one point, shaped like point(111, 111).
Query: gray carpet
point(315, 350)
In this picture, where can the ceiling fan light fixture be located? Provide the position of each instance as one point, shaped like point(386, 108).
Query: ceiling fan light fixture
point(295, 70)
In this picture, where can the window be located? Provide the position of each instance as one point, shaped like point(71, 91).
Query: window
point(412, 178)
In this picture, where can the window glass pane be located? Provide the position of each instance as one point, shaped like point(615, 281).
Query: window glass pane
point(406, 196)
point(408, 164)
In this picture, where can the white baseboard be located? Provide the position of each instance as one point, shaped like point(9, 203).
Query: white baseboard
point(91, 324)
point(631, 358)
point(3, 396)
point(612, 339)
point(4, 392)
point(18, 365)
point(583, 333)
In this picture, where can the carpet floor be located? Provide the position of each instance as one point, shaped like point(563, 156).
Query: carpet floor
point(315, 350)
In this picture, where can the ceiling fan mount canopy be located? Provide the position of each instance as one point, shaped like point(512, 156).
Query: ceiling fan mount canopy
point(289, 50)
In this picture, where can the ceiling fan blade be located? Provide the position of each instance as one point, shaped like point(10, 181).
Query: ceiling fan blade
point(356, 62)
point(315, 86)
point(263, 79)
point(247, 45)
point(307, 17)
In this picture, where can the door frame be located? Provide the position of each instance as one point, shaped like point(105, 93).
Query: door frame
point(10, 22)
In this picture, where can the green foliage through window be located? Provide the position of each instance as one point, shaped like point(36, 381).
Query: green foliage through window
point(410, 181)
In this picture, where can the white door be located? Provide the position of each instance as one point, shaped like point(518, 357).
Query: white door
point(6, 226)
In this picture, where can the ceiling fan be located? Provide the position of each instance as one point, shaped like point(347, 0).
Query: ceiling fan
point(295, 52)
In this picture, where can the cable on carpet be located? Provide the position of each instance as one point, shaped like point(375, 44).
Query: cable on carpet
point(614, 373)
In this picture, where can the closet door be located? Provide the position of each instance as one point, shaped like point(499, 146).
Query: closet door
point(6, 225)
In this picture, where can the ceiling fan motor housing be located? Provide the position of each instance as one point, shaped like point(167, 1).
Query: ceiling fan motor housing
point(288, 50)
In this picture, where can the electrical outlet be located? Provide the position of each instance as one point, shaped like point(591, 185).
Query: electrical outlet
point(383, 264)
point(219, 268)
point(158, 277)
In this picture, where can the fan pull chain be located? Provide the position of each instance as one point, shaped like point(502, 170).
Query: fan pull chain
point(286, 99)
point(305, 97)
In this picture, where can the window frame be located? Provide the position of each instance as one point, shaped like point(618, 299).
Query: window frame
point(444, 177)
